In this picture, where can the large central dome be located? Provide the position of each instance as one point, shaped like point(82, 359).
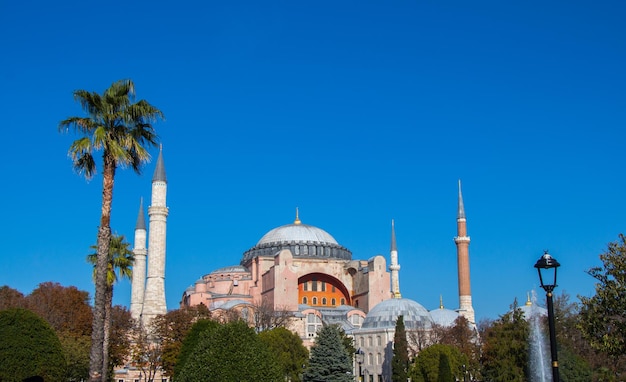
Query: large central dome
point(297, 232)
point(304, 241)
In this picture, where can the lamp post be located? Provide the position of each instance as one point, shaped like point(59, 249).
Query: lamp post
point(360, 355)
point(545, 266)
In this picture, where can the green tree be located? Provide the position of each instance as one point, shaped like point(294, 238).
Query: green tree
point(120, 262)
point(602, 316)
point(232, 352)
point(29, 348)
point(464, 337)
point(76, 352)
point(171, 329)
point(445, 373)
point(287, 346)
point(191, 340)
point(427, 365)
point(400, 360)
point(505, 348)
point(122, 129)
point(329, 360)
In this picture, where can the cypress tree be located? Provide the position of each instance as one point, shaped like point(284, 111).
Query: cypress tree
point(445, 372)
point(400, 360)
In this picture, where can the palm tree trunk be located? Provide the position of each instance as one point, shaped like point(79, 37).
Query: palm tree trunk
point(107, 334)
point(96, 357)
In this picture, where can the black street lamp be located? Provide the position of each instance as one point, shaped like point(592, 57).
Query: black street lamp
point(360, 356)
point(545, 266)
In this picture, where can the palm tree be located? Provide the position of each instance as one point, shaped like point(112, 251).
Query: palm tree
point(120, 262)
point(120, 128)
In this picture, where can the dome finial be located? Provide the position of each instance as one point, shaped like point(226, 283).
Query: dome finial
point(297, 221)
point(440, 302)
point(528, 302)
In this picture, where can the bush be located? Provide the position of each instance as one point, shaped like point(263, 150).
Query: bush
point(29, 348)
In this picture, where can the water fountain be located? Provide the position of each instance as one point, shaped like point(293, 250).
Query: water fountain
point(539, 360)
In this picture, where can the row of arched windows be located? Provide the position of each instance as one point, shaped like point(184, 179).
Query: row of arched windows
point(314, 301)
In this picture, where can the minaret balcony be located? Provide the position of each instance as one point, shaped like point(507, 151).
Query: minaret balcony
point(462, 239)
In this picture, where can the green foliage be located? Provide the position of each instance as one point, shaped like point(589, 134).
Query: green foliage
point(29, 347)
point(171, 329)
point(190, 342)
point(602, 315)
point(121, 129)
point(572, 367)
point(288, 348)
point(445, 373)
point(505, 348)
point(400, 360)
point(426, 367)
point(76, 352)
point(329, 360)
point(232, 352)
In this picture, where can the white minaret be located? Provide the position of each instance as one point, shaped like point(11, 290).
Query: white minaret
point(462, 252)
point(154, 297)
point(138, 283)
point(394, 267)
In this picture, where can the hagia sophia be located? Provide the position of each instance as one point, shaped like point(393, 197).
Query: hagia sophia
point(300, 269)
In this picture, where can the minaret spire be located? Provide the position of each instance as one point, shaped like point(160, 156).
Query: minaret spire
point(394, 267)
point(138, 282)
point(461, 212)
point(154, 297)
point(462, 251)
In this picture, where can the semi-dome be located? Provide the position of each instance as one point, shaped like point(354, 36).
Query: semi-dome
point(385, 314)
point(304, 241)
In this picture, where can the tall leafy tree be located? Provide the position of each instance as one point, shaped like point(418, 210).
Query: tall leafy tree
point(29, 348)
point(10, 298)
point(191, 340)
point(400, 360)
point(119, 265)
point(602, 315)
point(291, 354)
point(66, 309)
point(122, 129)
point(428, 363)
point(464, 337)
point(329, 360)
point(505, 348)
point(232, 352)
point(445, 373)
point(171, 328)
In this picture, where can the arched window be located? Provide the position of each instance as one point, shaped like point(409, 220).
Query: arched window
point(314, 300)
point(323, 300)
point(333, 302)
point(343, 301)
point(304, 300)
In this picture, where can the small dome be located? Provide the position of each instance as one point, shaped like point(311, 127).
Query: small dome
point(532, 310)
point(385, 314)
point(297, 233)
point(444, 317)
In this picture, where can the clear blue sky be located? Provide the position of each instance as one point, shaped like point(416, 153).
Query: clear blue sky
point(357, 112)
